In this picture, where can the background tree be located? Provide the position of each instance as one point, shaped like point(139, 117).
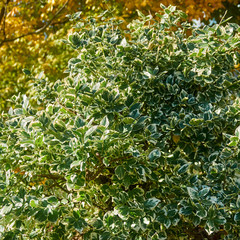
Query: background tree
point(30, 33)
point(139, 141)
point(195, 9)
point(27, 40)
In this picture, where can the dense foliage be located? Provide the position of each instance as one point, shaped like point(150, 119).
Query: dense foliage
point(30, 32)
point(139, 141)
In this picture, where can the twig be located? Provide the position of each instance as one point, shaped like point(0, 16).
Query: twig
point(36, 31)
point(3, 10)
point(56, 184)
point(4, 22)
point(121, 158)
point(69, 110)
point(55, 177)
point(91, 176)
point(61, 187)
point(3, 16)
point(51, 176)
point(60, 22)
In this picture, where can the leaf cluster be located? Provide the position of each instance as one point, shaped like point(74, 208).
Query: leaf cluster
point(139, 141)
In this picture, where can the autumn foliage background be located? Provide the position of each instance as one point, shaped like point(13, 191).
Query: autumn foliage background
point(30, 32)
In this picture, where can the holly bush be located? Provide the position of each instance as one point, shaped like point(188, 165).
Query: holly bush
point(139, 141)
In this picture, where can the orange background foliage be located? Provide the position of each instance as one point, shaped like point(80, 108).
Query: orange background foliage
point(194, 8)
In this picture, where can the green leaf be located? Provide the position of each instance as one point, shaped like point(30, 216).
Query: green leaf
point(33, 203)
point(207, 115)
point(186, 211)
point(18, 223)
point(238, 202)
point(237, 217)
point(98, 224)
point(237, 132)
point(79, 225)
point(194, 179)
point(52, 199)
point(39, 141)
point(140, 123)
point(167, 222)
point(172, 212)
point(128, 120)
point(124, 43)
point(124, 210)
point(154, 154)
point(59, 125)
point(220, 220)
point(162, 6)
point(140, 14)
point(79, 122)
point(41, 215)
point(90, 131)
point(213, 156)
point(25, 104)
point(196, 121)
point(212, 212)
point(6, 209)
point(75, 39)
point(161, 236)
point(134, 114)
point(196, 220)
point(105, 122)
point(53, 142)
point(127, 181)
point(201, 212)
point(26, 71)
point(142, 173)
point(183, 168)
point(192, 193)
point(75, 163)
point(53, 216)
point(151, 203)
point(120, 172)
point(105, 236)
point(204, 191)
